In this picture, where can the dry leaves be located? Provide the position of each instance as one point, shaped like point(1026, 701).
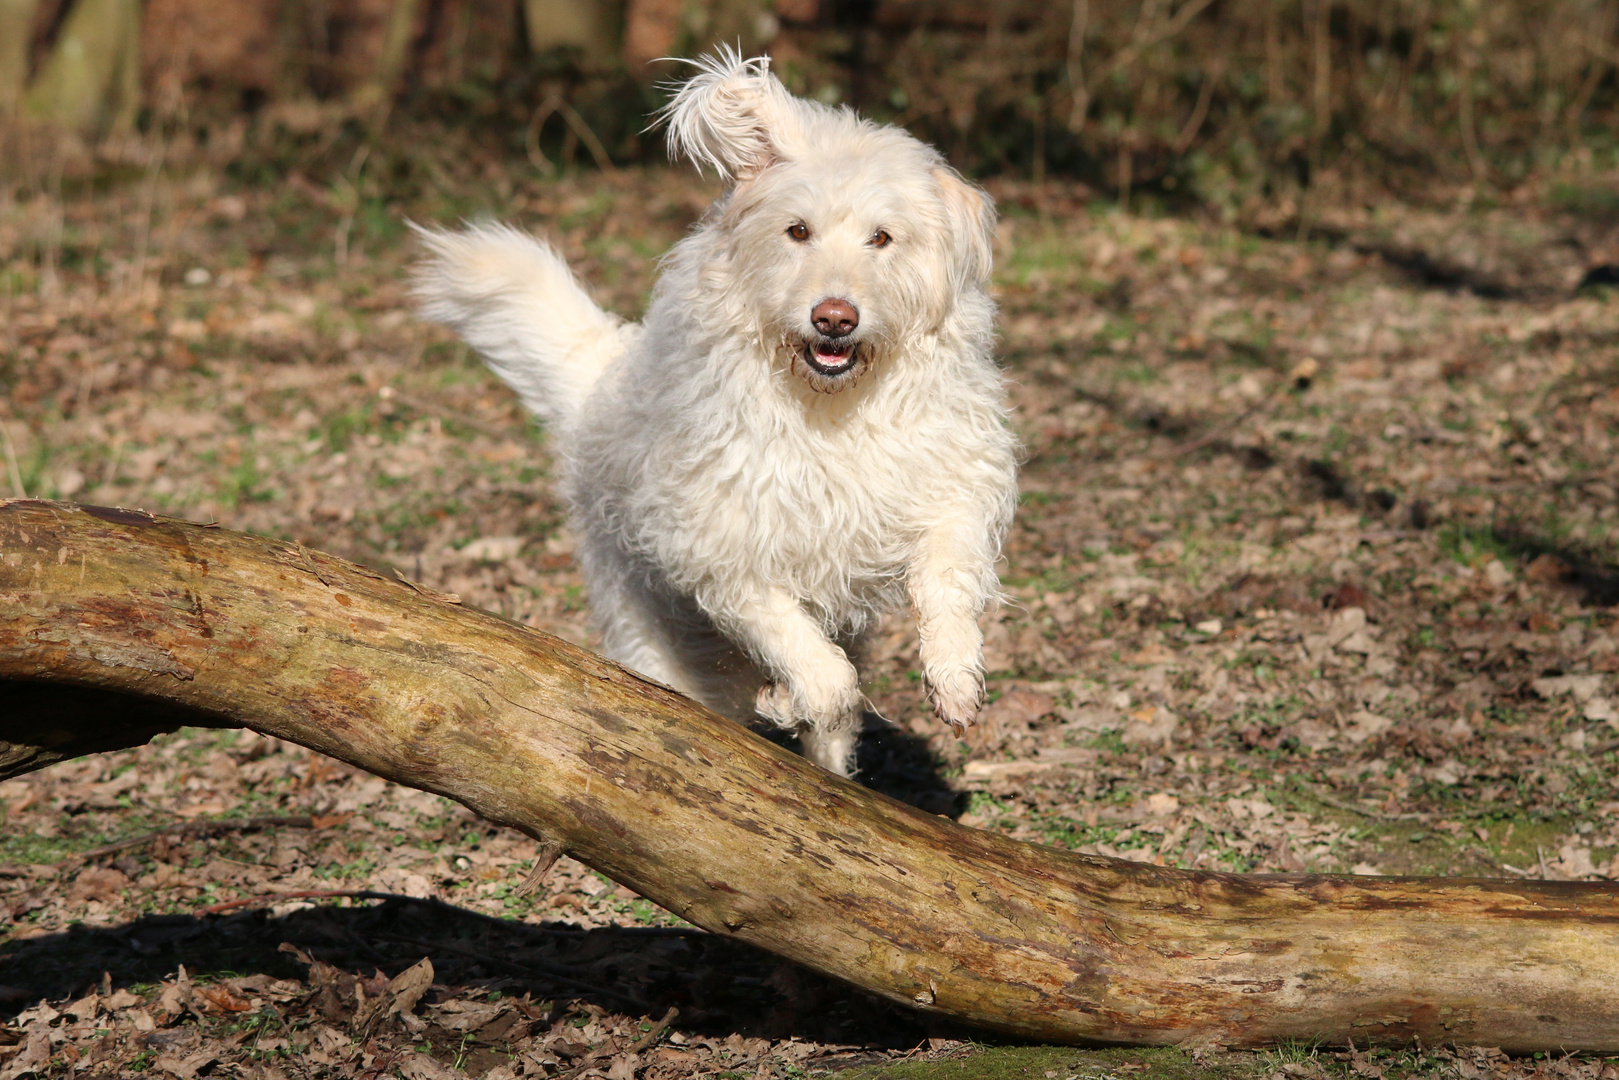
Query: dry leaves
point(1351, 615)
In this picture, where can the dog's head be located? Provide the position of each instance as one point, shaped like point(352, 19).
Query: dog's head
point(840, 238)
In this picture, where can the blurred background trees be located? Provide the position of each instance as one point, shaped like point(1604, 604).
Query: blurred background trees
point(1221, 102)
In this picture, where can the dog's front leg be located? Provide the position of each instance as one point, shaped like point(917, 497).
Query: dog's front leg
point(950, 580)
point(816, 689)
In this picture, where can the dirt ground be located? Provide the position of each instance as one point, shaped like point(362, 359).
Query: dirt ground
point(1314, 569)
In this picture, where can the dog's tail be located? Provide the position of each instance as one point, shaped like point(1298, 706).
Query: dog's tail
point(512, 298)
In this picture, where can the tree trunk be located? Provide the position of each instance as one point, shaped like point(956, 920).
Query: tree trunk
point(591, 26)
point(659, 29)
point(180, 623)
point(652, 31)
point(91, 81)
point(378, 89)
point(16, 31)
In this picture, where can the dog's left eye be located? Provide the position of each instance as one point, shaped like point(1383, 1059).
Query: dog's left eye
point(880, 238)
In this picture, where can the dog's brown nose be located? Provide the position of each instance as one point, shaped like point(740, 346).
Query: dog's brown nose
point(835, 318)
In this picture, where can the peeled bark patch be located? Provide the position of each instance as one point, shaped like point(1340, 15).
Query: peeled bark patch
point(116, 625)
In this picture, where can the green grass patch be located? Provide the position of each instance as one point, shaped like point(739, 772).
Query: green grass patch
point(244, 484)
point(1044, 257)
point(1587, 200)
point(1067, 1063)
point(339, 429)
point(1474, 544)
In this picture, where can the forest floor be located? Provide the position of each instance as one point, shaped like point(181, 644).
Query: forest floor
point(1314, 570)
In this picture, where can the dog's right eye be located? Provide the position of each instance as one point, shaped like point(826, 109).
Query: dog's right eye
point(798, 231)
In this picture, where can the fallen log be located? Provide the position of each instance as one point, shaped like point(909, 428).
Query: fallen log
point(115, 625)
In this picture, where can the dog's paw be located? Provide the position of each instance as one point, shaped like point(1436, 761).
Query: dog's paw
point(775, 703)
point(827, 700)
point(833, 750)
point(956, 697)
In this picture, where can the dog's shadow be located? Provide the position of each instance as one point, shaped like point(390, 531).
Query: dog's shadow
point(896, 763)
point(719, 986)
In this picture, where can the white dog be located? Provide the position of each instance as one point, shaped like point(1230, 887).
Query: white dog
point(807, 426)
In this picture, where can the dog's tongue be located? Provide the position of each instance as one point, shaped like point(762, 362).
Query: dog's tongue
point(831, 352)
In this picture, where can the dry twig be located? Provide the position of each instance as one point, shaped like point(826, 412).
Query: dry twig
point(198, 828)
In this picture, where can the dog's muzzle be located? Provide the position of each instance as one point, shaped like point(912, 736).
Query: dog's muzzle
point(831, 365)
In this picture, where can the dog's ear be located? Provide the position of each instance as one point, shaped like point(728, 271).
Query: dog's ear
point(971, 213)
point(726, 114)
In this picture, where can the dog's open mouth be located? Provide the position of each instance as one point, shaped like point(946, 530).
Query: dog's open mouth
point(829, 365)
point(832, 358)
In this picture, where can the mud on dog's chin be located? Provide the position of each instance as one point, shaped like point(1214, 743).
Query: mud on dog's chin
point(830, 365)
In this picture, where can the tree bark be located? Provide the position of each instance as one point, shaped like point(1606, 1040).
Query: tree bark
point(16, 32)
point(115, 624)
point(90, 83)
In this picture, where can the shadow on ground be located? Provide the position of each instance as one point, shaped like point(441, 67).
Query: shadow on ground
point(720, 986)
point(895, 763)
point(1596, 583)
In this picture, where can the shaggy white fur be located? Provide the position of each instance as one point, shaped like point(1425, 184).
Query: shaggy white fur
point(807, 427)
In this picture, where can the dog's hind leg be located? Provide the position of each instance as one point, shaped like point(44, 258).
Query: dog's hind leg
point(665, 638)
point(631, 621)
